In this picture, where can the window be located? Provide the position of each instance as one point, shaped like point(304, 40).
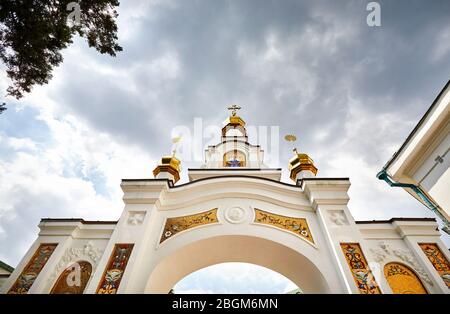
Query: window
point(234, 158)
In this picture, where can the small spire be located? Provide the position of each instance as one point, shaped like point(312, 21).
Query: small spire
point(301, 166)
point(175, 141)
point(234, 122)
point(170, 166)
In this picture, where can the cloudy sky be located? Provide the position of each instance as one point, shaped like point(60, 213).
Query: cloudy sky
point(350, 92)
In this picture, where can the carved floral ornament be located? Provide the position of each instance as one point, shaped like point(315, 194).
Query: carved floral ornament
point(338, 217)
point(88, 252)
point(384, 253)
point(136, 217)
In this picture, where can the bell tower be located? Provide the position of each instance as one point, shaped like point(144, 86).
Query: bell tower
point(234, 155)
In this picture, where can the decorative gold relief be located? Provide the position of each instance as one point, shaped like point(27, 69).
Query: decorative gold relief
point(438, 259)
point(115, 268)
point(360, 269)
point(33, 268)
point(298, 226)
point(177, 224)
point(402, 279)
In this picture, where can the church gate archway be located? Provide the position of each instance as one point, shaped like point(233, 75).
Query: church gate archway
point(236, 248)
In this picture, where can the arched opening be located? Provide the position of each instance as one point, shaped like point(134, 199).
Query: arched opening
point(234, 130)
point(403, 280)
point(191, 257)
point(235, 278)
point(234, 158)
point(73, 279)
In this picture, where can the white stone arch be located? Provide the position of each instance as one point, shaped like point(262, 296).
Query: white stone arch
point(162, 263)
point(218, 188)
point(181, 260)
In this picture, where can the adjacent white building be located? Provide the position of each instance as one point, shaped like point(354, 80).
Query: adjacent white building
point(234, 209)
point(422, 164)
point(5, 272)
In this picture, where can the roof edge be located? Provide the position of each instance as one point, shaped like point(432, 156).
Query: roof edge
point(6, 267)
point(85, 222)
point(394, 219)
point(418, 125)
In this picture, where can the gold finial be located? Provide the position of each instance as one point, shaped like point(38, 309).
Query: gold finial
point(290, 138)
point(233, 109)
point(301, 165)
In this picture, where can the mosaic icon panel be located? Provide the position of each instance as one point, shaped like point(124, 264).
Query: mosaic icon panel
point(359, 267)
point(438, 259)
point(33, 268)
point(115, 269)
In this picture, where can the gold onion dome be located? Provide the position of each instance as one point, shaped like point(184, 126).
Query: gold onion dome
point(170, 165)
point(233, 121)
point(301, 164)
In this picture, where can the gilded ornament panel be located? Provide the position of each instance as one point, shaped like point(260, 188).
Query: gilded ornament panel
point(73, 279)
point(438, 259)
point(115, 268)
point(402, 279)
point(33, 268)
point(178, 224)
point(361, 272)
point(298, 226)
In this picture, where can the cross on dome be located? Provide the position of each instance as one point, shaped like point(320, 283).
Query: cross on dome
point(233, 109)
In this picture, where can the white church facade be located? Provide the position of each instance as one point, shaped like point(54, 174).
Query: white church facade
point(235, 209)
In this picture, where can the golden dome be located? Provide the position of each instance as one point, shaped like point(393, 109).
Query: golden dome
point(171, 165)
point(234, 122)
point(300, 162)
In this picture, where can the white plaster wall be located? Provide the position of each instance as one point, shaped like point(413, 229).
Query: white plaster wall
point(2, 281)
point(434, 176)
